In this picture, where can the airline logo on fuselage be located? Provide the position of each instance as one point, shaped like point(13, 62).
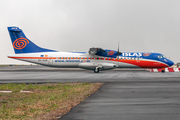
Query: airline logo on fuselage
point(146, 54)
point(131, 54)
point(111, 53)
point(20, 43)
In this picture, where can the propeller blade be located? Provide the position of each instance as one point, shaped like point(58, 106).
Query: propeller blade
point(118, 53)
point(118, 47)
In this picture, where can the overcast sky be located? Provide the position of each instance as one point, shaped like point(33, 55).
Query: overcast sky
point(66, 25)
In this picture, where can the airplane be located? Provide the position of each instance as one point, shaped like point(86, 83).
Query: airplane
point(96, 59)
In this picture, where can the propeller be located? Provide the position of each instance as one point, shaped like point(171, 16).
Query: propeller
point(118, 53)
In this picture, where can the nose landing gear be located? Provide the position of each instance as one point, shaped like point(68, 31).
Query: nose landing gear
point(163, 70)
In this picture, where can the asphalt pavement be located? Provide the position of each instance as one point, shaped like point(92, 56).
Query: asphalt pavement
point(127, 94)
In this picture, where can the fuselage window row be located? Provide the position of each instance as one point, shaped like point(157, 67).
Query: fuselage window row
point(98, 58)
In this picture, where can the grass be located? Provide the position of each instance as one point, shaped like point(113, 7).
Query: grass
point(4, 65)
point(47, 101)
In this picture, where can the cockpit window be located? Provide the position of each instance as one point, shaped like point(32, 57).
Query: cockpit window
point(161, 56)
point(164, 56)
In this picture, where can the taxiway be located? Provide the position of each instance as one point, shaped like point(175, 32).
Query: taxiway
point(127, 94)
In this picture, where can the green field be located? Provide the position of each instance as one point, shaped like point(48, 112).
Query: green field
point(45, 101)
point(4, 65)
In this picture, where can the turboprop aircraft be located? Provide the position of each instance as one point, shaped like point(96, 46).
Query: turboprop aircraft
point(96, 59)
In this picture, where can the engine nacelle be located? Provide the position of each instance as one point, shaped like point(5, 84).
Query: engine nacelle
point(103, 66)
point(102, 52)
point(96, 51)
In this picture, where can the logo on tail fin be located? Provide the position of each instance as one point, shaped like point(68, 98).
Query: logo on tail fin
point(20, 43)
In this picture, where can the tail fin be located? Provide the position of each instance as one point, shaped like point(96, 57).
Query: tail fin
point(23, 45)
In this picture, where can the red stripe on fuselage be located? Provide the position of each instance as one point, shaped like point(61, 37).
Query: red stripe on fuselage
point(139, 63)
point(144, 63)
point(33, 57)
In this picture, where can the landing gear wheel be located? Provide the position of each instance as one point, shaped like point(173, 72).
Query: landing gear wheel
point(163, 71)
point(96, 70)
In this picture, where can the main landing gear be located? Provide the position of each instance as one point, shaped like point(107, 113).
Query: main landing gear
point(96, 70)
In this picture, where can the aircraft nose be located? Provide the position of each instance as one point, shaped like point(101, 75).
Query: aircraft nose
point(170, 63)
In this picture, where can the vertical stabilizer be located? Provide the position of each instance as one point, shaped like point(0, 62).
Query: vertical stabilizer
point(21, 44)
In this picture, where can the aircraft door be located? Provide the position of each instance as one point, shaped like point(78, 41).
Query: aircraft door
point(138, 59)
point(50, 60)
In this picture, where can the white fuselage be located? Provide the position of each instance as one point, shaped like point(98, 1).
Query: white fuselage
point(71, 60)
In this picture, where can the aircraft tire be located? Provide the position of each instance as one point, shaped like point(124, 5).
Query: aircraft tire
point(163, 71)
point(96, 70)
